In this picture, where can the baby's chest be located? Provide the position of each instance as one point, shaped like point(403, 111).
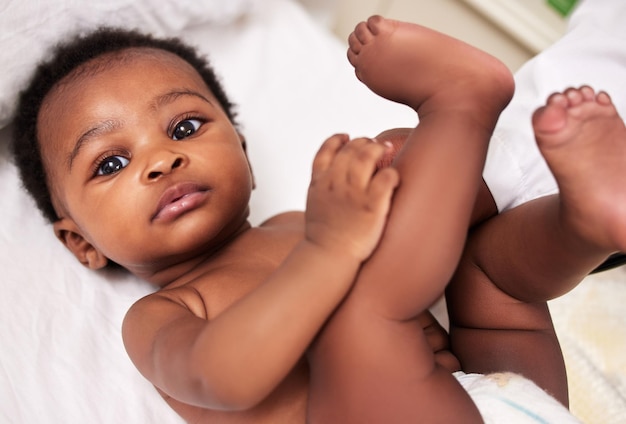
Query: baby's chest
point(220, 291)
point(242, 268)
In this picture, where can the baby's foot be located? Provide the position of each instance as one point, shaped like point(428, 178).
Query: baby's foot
point(583, 139)
point(424, 69)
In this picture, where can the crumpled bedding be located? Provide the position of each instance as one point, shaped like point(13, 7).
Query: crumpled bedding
point(591, 324)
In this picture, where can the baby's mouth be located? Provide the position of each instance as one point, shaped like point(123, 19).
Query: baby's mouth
point(178, 200)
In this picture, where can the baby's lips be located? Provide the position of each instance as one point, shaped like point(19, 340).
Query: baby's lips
point(175, 194)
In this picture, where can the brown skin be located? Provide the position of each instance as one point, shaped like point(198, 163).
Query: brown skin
point(484, 207)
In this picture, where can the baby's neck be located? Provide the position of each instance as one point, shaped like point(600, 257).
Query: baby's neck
point(176, 271)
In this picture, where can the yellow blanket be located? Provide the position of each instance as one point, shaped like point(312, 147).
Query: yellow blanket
point(591, 324)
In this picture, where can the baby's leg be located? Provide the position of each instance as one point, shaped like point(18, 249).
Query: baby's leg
point(425, 70)
point(372, 362)
point(458, 97)
point(485, 205)
point(523, 257)
point(583, 140)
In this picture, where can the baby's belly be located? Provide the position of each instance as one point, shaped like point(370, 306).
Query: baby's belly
point(286, 405)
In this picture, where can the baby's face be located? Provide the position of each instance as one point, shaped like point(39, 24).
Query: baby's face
point(144, 163)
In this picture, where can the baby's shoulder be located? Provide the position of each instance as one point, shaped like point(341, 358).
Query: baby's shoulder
point(295, 218)
point(170, 302)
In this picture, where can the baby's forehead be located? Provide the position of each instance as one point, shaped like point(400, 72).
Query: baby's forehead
point(107, 75)
point(120, 59)
point(122, 62)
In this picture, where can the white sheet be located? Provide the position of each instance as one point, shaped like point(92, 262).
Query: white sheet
point(62, 358)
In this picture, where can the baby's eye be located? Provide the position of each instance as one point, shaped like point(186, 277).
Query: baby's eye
point(186, 128)
point(112, 165)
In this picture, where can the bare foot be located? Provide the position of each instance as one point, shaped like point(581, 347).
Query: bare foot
point(422, 68)
point(583, 139)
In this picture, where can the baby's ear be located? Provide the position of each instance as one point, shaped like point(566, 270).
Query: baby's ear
point(245, 149)
point(68, 232)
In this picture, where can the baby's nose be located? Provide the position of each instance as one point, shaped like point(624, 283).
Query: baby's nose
point(164, 165)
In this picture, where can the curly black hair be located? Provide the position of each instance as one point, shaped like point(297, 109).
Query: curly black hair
point(65, 59)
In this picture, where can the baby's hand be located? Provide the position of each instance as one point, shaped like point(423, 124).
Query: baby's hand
point(348, 199)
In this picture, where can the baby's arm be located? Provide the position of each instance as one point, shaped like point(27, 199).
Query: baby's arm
point(235, 360)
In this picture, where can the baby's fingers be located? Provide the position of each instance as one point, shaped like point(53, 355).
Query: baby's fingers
point(382, 187)
point(326, 154)
point(361, 156)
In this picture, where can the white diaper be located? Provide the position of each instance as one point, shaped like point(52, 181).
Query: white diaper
point(512, 399)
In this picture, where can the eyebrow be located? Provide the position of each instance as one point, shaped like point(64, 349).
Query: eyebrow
point(110, 125)
point(101, 128)
point(172, 96)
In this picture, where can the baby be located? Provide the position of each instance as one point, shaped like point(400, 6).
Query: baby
point(138, 161)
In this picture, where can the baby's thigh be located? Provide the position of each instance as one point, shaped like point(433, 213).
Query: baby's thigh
point(491, 331)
